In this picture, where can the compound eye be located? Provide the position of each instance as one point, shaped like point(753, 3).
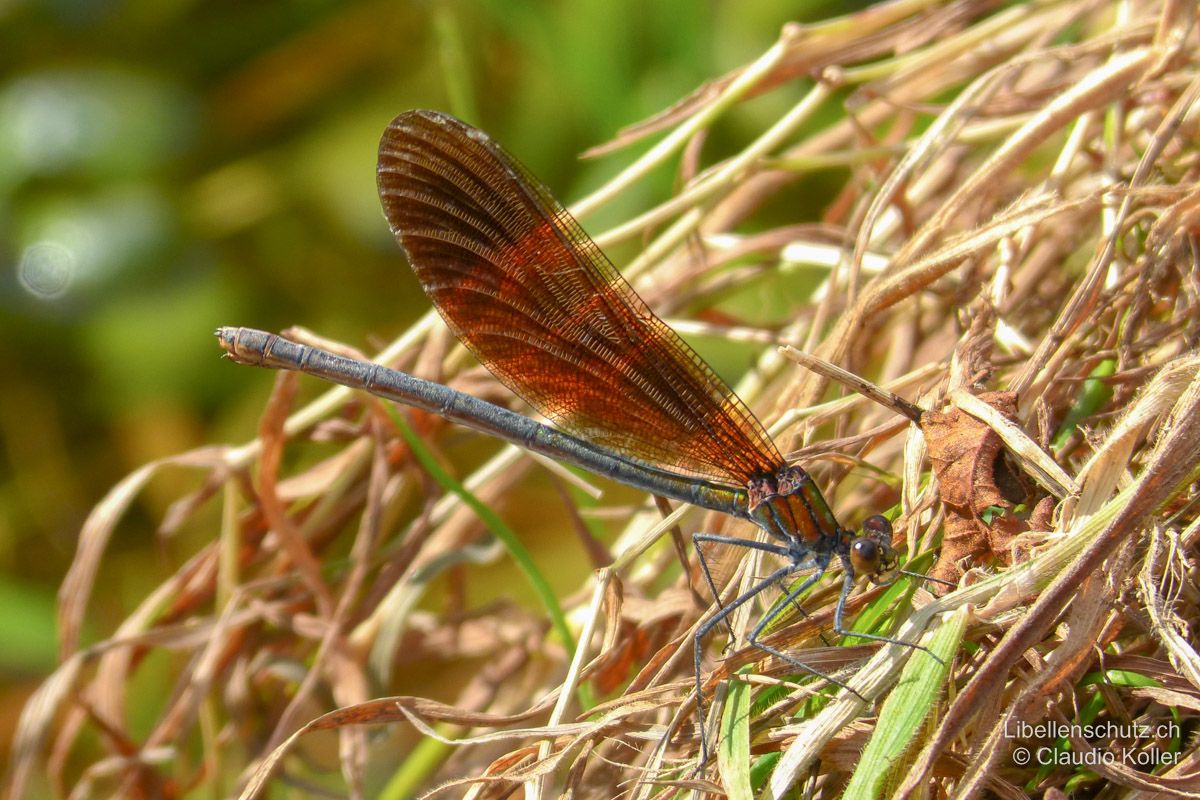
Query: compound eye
point(864, 556)
point(877, 527)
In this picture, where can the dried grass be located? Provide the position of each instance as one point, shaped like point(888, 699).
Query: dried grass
point(1018, 216)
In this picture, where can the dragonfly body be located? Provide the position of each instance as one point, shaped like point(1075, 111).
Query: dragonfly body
point(538, 303)
point(262, 349)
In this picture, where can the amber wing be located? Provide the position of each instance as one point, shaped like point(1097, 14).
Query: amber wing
point(538, 303)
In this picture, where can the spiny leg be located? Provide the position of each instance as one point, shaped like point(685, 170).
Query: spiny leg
point(753, 641)
point(706, 628)
point(783, 590)
point(716, 538)
point(839, 615)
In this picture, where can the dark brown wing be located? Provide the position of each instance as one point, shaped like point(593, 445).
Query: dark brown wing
point(538, 303)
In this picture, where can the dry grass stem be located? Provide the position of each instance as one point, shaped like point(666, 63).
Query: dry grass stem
point(1007, 255)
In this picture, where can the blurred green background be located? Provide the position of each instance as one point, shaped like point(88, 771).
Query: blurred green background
point(167, 167)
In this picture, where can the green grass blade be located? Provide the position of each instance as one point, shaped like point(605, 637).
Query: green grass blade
point(422, 762)
point(456, 66)
point(733, 751)
point(495, 525)
point(905, 710)
point(1094, 395)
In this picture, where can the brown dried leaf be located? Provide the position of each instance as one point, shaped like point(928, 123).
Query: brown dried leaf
point(385, 710)
point(274, 440)
point(967, 458)
point(617, 662)
point(37, 718)
point(93, 539)
point(320, 476)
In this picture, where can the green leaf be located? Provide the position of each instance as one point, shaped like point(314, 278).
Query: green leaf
point(733, 751)
point(1094, 394)
point(495, 525)
point(905, 710)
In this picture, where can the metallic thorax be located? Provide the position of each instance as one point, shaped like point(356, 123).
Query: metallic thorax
point(789, 507)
